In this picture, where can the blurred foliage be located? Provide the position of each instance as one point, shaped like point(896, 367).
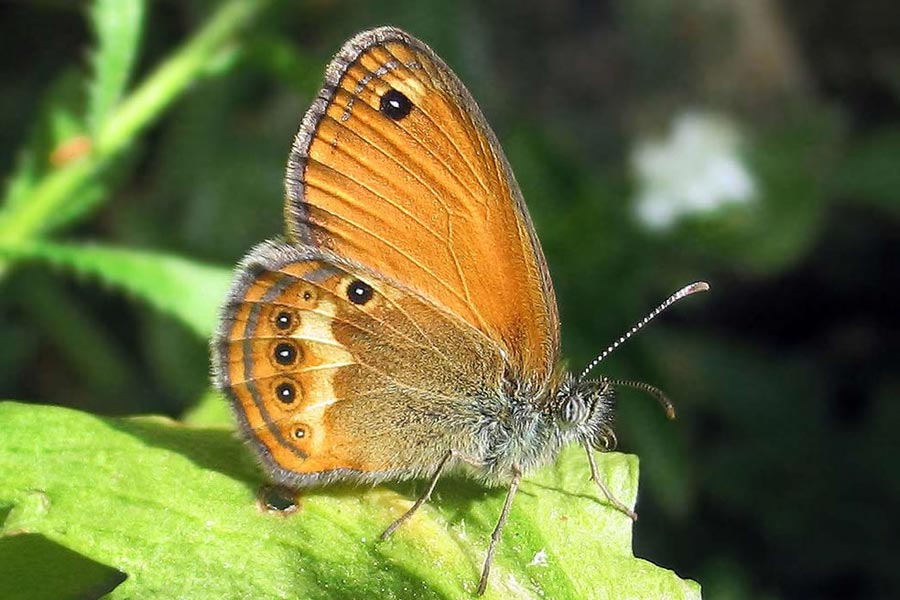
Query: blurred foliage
point(163, 133)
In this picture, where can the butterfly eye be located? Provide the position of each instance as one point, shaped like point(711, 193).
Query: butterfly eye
point(359, 292)
point(285, 353)
point(395, 105)
point(286, 392)
point(573, 411)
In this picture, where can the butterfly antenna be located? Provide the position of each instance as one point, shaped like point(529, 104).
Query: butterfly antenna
point(698, 286)
point(650, 389)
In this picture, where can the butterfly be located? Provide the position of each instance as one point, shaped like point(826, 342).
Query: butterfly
point(406, 325)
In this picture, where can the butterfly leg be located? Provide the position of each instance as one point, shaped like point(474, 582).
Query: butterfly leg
point(422, 499)
point(595, 476)
point(498, 530)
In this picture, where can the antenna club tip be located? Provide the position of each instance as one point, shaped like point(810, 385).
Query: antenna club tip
point(697, 286)
point(670, 413)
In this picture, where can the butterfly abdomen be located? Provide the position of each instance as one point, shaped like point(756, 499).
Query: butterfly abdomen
point(514, 432)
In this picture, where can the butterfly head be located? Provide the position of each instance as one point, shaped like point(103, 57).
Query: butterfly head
point(585, 409)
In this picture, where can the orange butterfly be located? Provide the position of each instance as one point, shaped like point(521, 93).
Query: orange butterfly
point(408, 323)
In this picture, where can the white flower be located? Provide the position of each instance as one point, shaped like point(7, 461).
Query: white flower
point(696, 169)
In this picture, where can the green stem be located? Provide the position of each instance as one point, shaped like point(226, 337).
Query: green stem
point(133, 115)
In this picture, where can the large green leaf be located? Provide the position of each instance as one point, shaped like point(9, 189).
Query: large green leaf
point(187, 290)
point(174, 508)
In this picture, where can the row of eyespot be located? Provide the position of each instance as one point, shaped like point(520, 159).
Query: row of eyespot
point(286, 353)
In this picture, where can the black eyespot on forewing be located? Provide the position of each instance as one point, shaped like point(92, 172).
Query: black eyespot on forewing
point(359, 292)
point(395, 105)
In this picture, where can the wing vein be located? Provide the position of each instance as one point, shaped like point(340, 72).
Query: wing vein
point(386, 242)
point(449, 171)
point(393, 159)
point(475, 175)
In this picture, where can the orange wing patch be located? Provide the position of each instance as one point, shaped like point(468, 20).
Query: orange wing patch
point(281, 359)
point(424, 197)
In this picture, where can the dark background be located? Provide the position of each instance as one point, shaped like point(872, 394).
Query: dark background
point(780, 478)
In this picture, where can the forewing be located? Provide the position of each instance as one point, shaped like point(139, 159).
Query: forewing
point(427, 198)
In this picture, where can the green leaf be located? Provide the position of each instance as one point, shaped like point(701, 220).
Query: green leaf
point(187, 290)
point(209, 410)
point(117, 27)
point(175, 509)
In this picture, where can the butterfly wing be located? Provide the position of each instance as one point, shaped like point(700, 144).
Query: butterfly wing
point(325, 362)
point(395, 168)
